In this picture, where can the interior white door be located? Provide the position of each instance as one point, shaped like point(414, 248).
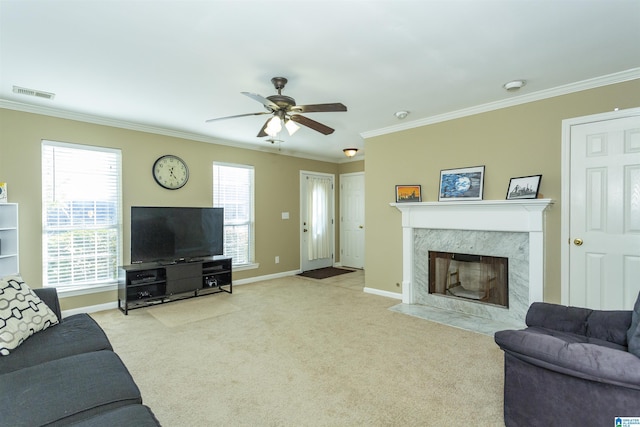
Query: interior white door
point(317, 234)
point(352, 220)
point(604, 228)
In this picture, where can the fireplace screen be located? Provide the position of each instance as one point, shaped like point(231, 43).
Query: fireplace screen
point(472, 277)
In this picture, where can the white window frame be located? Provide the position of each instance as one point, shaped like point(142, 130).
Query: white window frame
point(82, 287)
point(250, 264)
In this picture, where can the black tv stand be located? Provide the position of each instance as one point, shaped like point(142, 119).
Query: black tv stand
point(142, 285)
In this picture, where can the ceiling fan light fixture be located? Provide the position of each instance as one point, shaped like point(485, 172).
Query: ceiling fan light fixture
point(350, 152)
point(291, 126)
point(285, 109)
point(273, 127)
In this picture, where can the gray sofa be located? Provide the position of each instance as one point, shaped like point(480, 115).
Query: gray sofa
point(68, 374)
point(570, 366)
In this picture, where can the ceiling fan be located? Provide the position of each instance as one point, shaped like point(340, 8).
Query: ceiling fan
point(284, 110)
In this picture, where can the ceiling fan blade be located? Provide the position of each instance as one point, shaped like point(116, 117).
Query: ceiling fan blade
point(264, 101)
point(264, 128)
point(305, 121)
point(239, 115)
point(319, 108)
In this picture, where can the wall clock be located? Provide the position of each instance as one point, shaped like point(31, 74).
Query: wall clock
point(170, 172)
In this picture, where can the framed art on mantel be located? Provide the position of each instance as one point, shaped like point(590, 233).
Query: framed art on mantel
point(408, 193)
point(524, 187)
point(461, 184)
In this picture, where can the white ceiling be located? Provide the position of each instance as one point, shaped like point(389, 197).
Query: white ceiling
point(174, 64)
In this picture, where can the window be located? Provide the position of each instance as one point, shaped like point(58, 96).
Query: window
point(233, 191)
point(81, 216)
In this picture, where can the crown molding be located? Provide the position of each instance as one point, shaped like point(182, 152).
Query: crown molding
point(610, 79)
point(123, 124)
point(620, 77)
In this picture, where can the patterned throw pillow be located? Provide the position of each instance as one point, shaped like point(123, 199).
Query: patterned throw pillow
point(22, 313)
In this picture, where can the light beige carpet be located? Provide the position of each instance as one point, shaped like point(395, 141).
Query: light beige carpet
point(305, 352)
point(191, 310)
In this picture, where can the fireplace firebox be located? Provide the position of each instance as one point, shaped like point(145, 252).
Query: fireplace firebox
point(479, 278)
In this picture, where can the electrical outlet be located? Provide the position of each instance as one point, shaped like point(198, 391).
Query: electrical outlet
point(277, 260)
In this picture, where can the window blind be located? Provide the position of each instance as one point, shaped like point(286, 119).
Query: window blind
point(82, 215)
point(233, 187)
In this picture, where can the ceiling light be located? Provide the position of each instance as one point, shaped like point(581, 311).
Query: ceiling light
point(291, 126)
point(401, 114)
point(514, 85)
point(350, 152)
point(273, 127)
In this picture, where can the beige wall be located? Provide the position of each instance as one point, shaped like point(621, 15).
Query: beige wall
point(511, 142)
point(516, 141)
point(276, 180)
point(351, 167)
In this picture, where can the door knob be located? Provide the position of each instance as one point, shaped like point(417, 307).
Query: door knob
point(362, 226)
point(304, 230)
point(578, 242)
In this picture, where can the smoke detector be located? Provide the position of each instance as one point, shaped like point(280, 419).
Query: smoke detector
point(514, 85)
point(401, 114)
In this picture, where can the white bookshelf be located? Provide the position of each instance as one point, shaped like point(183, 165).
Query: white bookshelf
point(9, 263)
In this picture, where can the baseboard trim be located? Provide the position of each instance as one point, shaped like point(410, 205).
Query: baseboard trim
point(90, 309)
point(381, 293)
point(266, 277)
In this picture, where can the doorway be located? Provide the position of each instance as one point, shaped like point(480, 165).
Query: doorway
point(601, 210)
point(317, 234)
point(352, 220)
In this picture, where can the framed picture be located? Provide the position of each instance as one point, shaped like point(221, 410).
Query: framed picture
point(408, 193)
point(524, 187)
point(461, 184)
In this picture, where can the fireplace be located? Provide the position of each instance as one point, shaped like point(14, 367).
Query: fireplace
point(510, 230)
point(479, 278)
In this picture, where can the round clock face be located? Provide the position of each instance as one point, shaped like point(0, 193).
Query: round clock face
point(170, 172)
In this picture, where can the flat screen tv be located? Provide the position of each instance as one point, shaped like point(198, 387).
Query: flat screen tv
point(175, 234)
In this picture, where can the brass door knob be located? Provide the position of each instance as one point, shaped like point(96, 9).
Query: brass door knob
point(578, 242)
point(362, 226)
point(304, 230)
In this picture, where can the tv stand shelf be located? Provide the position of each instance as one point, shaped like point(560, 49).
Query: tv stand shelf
point(143, 285)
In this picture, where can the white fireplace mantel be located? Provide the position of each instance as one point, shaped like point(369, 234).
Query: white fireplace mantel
point(523, 215)
point(526, 215)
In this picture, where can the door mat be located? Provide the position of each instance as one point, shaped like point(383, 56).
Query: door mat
point(323, 273)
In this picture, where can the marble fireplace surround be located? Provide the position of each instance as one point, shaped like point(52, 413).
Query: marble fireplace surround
point(505, 228)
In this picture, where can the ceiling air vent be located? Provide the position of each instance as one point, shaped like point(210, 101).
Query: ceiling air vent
point(31, 92)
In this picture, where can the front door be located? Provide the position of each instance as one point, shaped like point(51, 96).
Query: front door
point(604, 212)
point(352, 220)
point(316, 220)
